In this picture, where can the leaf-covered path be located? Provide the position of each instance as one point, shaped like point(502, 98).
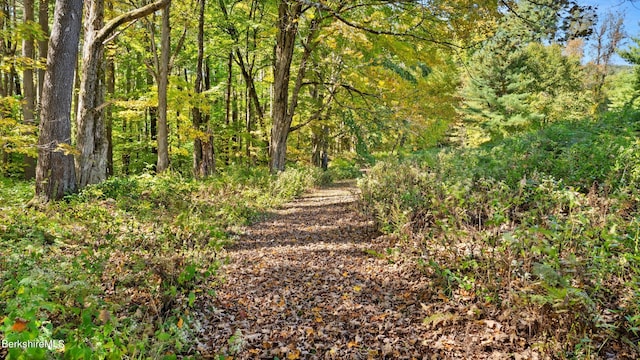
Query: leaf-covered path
point(306, 283)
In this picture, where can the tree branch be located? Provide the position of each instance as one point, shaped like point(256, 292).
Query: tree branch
point(132, 15)
point(337, 14)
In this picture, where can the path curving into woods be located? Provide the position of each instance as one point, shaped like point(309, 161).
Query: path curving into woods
point(312, 282)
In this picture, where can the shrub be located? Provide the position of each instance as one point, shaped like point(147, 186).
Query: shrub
point(549, 229)
point(115, 270)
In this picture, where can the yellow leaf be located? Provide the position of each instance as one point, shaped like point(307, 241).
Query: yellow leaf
point(352, 344)
point(180, 323)
point(294, 355)
point(357, 288)
point(67, 149)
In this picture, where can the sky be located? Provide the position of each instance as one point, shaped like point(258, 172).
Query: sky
point(629, 8)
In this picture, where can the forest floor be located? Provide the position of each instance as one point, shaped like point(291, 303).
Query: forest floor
point(316, 280)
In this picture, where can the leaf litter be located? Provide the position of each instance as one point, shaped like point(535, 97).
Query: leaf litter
point(313, 281)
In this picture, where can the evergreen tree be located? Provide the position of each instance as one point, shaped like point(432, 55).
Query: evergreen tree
point(515, 81)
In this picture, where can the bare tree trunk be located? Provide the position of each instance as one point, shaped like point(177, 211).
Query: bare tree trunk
point(163, 82)
point(29, 102)
point(55, 173)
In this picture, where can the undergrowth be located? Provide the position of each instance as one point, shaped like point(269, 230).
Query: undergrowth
point(115, 271)
point(543, 227)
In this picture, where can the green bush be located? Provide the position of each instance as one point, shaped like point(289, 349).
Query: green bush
point(115, 270)
point(294, 181)
point(544, 224)
point(341, 169)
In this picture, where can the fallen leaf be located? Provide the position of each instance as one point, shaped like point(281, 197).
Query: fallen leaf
point(294, 355)
point(19, 325)
point(104, 316)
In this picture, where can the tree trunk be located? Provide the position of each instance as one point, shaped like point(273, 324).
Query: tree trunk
point(284, 107)
point(91, 164)
point(111, 89)
point(288, 15)
point(55, 173)
point(203, 155)
point(227, 110)
point(163, 82)
point(208, 149)
point(248, 127)
point(29, 101)
point(43, 20)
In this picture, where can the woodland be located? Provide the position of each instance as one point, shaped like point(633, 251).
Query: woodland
point(322, 179)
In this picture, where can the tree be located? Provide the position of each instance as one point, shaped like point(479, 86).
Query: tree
point(289, 13)
point(28, 86)
point(43, 21)
point(632, 55)
point(608, 36)
point(204, 162)
point(430, 22)
point(55, 173)
point(516, 82)
point(92, 143)
point(163, 81)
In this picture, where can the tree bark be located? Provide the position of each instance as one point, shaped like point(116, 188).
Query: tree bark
point(55, 173)
point(92, 143)
point(29, 102)
point(111, 89)
point(203, 156)
point(163, 82)
point(227, 110)
point(288, 15)
point(43, 20)
point(284, 103)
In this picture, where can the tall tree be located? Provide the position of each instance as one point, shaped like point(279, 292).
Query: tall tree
point(91, 163)
point(204, 162)
point(632, 55)
point(515, 82)
point(28, 86)
point(163, 82)
point(285, 100)
point(434, 22)
point(55, 173)
point(43, 21)
point(608, 36)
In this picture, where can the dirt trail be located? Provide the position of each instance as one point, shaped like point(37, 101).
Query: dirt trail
point(311, 281)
